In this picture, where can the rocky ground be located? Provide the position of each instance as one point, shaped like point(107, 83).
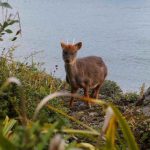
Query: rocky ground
point(138, 118)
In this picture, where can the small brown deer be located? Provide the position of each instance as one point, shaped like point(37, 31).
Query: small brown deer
point(87, 73)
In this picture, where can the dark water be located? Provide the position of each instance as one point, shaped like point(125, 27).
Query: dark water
point(117, 30)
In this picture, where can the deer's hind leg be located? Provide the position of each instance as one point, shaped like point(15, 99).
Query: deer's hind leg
point(95, 92)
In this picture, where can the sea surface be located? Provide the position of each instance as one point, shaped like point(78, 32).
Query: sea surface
point(116, 30)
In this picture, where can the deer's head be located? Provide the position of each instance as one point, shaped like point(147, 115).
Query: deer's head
point(69, 52)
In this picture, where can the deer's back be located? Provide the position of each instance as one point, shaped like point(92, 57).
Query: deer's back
point(92, 69)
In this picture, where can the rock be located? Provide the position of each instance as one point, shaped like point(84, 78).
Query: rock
point(146, 110)
point(145, 98)
point(92, 114)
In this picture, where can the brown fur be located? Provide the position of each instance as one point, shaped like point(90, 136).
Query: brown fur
point(87, 73)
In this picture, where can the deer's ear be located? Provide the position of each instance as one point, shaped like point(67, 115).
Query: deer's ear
point(78, 45)
point(63, 45)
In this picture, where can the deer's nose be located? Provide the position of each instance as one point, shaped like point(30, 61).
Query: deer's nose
point(67, 60)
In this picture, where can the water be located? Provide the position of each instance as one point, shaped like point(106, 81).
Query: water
point(117, 30)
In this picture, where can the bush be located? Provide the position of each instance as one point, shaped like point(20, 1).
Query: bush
point(110, 89)
point(36, 85)
point(130, 97)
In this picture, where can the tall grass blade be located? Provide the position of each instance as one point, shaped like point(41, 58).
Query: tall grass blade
point(8, 125)
point(71, 118)
point(66, 94)
point(86, 146)
point(111, 134)
point(121, 120)
point(125, 129)
point(81, 132)
point(5, 144)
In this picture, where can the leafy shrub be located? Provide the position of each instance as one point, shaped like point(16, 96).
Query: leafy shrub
point(111, 89)
point(36, 85)
point(8, 22)
point(139, 123)
point(130, 97)
point(142, 133)
point(35, 135)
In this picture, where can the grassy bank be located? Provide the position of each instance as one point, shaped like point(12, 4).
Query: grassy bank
point(35, 85)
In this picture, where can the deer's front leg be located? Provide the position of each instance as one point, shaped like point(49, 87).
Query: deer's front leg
point(86, 94)
point(73, 90)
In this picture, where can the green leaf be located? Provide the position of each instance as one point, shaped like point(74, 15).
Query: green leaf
point(13, 39)
point(5, 24)
point(5, 144)
point(2, 33)
point(11, 22)
point(8, 31)
point(6, 5)
point(110, 134)
point(18, 32)
point(8, 125)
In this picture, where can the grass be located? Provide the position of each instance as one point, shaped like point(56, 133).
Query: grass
point(56, 117)
point(36, 84)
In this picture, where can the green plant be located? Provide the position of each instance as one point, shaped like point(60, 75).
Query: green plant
point(35, 135)
point(110, 89)
point(36, 84)
point(112, 117)
point(130, 97)
point(8, 20)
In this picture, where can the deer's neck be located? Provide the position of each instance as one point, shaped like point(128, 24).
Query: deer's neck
point(71, 71)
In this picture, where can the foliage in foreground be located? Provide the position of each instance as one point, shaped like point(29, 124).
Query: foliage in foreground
point(37, 84)
point(32, 135)
point(24, 133)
